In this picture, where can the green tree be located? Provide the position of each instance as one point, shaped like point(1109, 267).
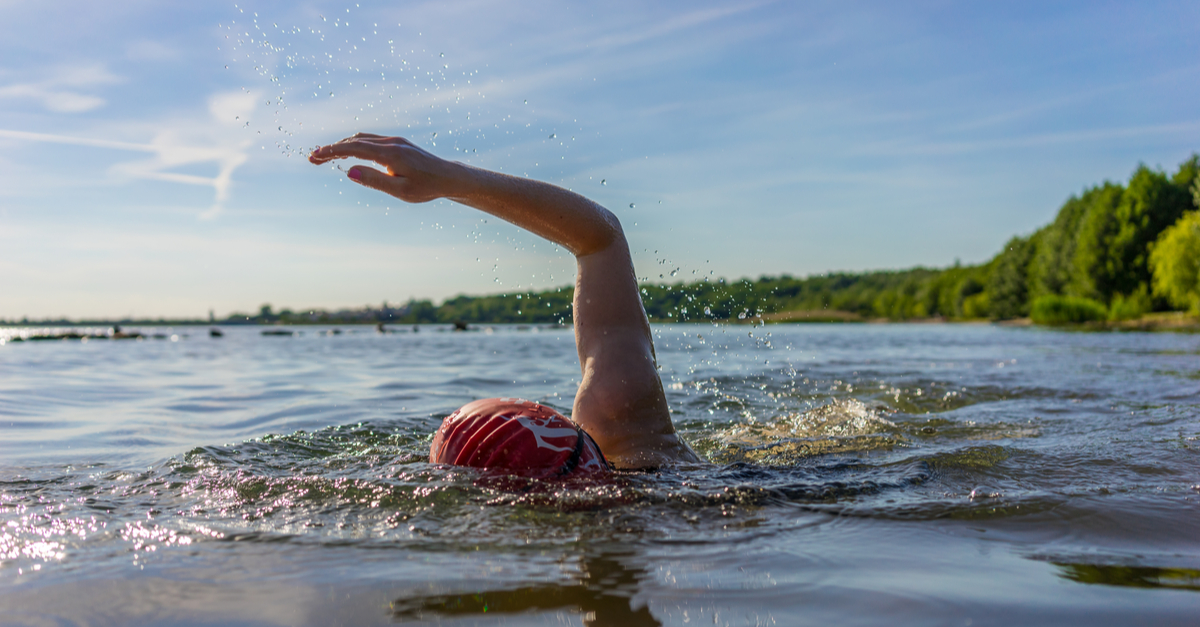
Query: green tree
point(1175, 262)
point(1051, 269)
point(415, 311)
point(1008, 285)
point(971, 287)
point(1150, 204)
point(1092, 273)
point(1188, 173)
point(1196, 192)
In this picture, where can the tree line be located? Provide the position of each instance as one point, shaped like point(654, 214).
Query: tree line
point(1114, 251)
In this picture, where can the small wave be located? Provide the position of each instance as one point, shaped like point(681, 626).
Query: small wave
point(842, 426)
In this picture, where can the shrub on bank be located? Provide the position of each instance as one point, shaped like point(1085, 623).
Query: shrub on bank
point(1175, 261)
point(1054, 309)
point(1130, 307)
point(976, 306)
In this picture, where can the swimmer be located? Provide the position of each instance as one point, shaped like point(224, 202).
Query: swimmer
point(620, 408)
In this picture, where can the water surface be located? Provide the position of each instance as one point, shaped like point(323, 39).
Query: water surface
point(891, 474)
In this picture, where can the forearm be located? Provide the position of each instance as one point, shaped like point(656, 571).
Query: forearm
point(561, 216)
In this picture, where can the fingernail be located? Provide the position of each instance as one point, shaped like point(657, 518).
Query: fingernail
point(355, 174)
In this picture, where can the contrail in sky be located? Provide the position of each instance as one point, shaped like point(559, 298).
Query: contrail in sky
point(77, 141)
point(168, 155)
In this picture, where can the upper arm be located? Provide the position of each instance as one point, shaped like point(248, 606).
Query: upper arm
point(621, 401)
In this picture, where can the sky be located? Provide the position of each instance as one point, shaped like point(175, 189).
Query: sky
point(152, 154)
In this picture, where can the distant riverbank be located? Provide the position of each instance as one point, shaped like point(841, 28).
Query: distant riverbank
point(1172, 321)
point(1160, 321)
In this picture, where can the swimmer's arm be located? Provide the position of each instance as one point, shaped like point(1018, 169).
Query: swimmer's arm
point(620, 401)
point(414, 175)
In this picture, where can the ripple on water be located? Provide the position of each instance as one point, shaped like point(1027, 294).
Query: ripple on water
point(370, 484)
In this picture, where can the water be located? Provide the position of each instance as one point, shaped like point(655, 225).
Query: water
point(893, 474)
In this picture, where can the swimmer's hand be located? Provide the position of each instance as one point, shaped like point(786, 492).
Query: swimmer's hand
point(412, 175)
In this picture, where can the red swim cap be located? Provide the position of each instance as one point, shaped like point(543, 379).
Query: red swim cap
point(518, 436)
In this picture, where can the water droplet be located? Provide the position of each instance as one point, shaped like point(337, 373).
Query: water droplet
point(707, 311)
point(227, 67)
point(632, 206)
point(604, 181)
point(435, 134)
point(442, 54)
point(268, 102)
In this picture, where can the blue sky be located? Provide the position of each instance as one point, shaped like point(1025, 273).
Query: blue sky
point(152, 152)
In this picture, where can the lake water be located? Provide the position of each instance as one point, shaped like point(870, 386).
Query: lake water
point(861, 475)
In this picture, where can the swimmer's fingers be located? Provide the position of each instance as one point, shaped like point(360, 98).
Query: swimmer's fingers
point(361, 145)
point(387, 183)
point(411, 185)
point(366, 149)
point(412, 174)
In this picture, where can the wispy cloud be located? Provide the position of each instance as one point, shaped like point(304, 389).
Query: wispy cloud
point(1075, 99)
point(62, 91)
point(1029, 141)
point(673, 25)
point(171, 150)
point(74, 141)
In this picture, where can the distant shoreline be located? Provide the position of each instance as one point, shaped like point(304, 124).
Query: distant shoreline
point(1176, 321)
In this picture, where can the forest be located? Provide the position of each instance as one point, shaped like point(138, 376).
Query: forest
point(1114, 252)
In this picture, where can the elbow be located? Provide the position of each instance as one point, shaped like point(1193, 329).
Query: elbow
point(605, 233)
point(611, 232)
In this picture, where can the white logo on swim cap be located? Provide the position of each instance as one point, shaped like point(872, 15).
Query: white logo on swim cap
point(541, 431)
point(593, 462)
